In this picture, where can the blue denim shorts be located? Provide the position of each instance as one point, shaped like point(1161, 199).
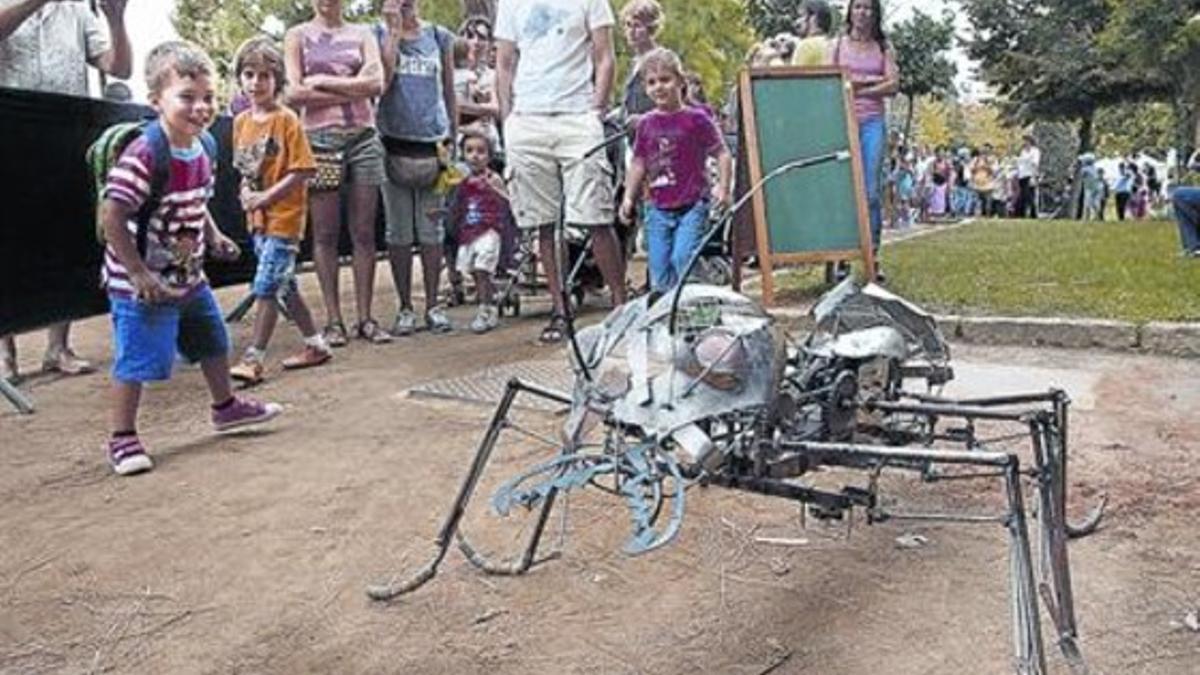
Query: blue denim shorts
point(276, 272)
point(146, 337)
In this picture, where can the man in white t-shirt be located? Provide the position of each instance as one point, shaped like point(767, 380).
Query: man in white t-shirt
point(554, 75)
point(47, 45)
point(1029, 166)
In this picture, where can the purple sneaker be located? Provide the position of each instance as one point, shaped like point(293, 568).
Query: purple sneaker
point(244, 412)
point(127, 456)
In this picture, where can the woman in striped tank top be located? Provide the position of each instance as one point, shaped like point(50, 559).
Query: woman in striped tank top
point(334, 74)
point(863, 51)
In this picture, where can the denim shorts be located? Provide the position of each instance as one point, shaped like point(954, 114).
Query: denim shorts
point(146, 337)
point(275, 276)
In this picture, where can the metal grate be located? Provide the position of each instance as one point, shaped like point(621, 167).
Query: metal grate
point(486, 386)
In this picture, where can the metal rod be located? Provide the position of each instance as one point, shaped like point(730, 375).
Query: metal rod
point(17, 397)
point(944, 517)
point(826, 450)
point(1027, 635)
point(482, 455)
point(1015, 399)
point(945, 411)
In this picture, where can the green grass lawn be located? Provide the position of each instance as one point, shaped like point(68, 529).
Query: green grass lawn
point(1130, 271)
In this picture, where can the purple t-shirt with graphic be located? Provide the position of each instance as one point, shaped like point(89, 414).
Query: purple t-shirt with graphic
point(674, 147)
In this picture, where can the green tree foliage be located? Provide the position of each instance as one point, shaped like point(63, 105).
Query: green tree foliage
point(1135, 127)
point(1161, 39)
point(712, 38)
point(1043, 59)
point(221, 25)
point(771, 17)
point(690, 28)
point(922, 44)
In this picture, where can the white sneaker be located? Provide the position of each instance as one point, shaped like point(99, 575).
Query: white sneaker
point(486, 318)
point(436, 320)
point(406, 323)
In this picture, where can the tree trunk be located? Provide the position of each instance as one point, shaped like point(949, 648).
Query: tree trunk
point(908, 120)
point(1086, 122)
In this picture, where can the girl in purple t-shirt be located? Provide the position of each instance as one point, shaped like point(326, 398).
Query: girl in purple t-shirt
point(674, 142)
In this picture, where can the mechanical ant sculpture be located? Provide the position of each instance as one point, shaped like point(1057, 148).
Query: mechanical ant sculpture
point(699, 387)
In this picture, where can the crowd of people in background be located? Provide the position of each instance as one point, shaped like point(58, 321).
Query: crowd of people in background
point(946, 184)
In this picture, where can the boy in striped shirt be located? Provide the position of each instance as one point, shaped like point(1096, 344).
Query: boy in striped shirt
point(160, 299)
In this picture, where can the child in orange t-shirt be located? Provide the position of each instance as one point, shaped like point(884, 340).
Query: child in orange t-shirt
point(275, 160)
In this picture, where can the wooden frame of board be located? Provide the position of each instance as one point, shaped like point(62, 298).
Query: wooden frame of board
point(753, 157)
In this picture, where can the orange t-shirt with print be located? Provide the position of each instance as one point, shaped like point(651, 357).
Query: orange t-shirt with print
point(265, 150)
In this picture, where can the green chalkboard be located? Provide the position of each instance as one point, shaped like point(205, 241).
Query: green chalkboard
point(810, 214)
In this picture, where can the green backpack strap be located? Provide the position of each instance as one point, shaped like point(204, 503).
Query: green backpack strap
point(103, 154)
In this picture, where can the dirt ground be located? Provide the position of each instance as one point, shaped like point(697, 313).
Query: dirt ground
point(250, 553)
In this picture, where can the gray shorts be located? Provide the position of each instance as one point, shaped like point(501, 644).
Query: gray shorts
point(408, 214)
point(362, 152)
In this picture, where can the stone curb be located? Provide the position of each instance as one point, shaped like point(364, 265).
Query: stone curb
point(1159, 338)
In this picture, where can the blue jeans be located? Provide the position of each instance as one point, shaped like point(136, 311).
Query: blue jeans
point(672, 236)
point(1186, 201)
point(146, 336)
point(872, 137)
point(275, 276)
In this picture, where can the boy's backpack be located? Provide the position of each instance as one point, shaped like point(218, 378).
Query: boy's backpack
point(104, 153)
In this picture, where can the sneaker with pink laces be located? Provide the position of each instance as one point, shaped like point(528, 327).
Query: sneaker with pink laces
point(127, 456)
point(243, 412)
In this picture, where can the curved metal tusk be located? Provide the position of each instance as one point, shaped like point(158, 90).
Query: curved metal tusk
point(1089, 524)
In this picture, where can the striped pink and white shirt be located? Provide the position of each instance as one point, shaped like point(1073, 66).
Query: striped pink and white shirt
point(175, 237)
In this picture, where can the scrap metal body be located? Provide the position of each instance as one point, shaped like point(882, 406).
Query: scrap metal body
point(701, 388)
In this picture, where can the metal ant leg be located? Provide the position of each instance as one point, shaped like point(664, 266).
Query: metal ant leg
point(15, 396)
point(522, 564)
point(465, 492)
point(1027, 628)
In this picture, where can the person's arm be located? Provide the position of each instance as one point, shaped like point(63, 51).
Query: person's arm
point(604, 62)
point(495, 182)
point(297, 94)
point(149, 287)
point(260, 200)
point(368, 83)
point(223, 248)
point(724, 176)
point(882, 87)
point(389, 41)
point(13, 15)
point(506, 67)
point(633, 188)
point(448, 95)
point(118, 60)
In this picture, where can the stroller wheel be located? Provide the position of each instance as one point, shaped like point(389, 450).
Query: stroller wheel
point(577, 296)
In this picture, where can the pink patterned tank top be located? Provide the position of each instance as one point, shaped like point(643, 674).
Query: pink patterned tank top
point(335, 52)
point(862, 64)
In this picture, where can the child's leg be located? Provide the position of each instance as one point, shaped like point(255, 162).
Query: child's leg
point(658, 248)
point(125, 399)
point(298, 308)
point(483, 286)
point(265, 317)
point(688, 230)
point(216, 375)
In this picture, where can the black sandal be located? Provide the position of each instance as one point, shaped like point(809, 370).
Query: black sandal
point(370, 331)
point(555, 331)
